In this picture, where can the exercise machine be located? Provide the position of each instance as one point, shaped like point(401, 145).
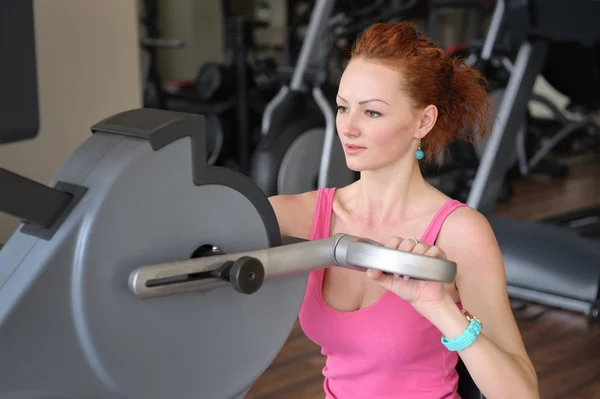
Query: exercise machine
point(546, 264)
point(298, 125)
point(574, 70)
point(570, 67)
point(231, 94)
point(585, 222)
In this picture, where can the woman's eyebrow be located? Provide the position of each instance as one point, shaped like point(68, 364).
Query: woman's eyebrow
point(365, 101)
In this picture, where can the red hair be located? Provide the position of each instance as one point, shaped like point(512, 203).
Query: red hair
point(430, 76)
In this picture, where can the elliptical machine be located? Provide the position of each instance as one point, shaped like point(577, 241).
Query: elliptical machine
point(298, 126)
point(546, 264)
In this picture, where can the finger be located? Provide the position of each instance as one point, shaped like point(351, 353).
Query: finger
point(420, 248)
point(406, 245)
point(435, 252)
point(383, 279)
point(375, 274)
point(393, 242)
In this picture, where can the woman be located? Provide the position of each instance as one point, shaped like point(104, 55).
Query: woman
point(401, 100)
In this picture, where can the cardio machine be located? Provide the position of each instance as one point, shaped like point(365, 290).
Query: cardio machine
point(142, 272)
point(546, 264)
point(299, 122)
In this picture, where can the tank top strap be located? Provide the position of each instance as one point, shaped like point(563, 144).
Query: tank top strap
point(321, 226)
point(433, 230)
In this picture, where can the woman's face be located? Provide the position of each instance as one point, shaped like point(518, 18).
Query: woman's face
point(376, 121)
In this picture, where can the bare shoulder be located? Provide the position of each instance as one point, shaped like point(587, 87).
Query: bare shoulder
point(467, 238)
point(466, 220)
point(295, 213)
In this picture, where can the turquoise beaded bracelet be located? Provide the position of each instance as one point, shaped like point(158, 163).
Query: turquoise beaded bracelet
point(468, 336)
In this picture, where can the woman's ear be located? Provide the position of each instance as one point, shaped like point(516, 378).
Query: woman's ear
point(429, 116)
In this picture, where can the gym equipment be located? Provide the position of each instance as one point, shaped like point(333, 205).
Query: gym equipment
point(492, 57)
point(346, 15)
point(246, 271)
point(585, 222)
point(154, 96)
point(571, 68)
point(18, 79)
point(242, 84)
point(564, 65)
point(298, 130)
point(232, 94)
point(478, 7)
point(139, 192)
point(545, 264)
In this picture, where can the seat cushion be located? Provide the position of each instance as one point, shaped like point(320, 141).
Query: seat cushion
point(549, 259)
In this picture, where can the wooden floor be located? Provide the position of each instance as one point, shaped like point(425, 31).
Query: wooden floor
point(564, 346)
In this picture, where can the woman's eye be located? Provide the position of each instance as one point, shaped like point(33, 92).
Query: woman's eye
point(341, 108)
point(373, 114)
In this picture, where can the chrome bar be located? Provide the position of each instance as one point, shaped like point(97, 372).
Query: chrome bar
point(301, 256)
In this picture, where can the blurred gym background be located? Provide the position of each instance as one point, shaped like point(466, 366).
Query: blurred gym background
point(97, 58)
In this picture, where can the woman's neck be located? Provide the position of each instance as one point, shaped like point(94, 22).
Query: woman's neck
point(389, 195)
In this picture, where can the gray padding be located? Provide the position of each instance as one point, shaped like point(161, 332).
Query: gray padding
point(549, 259)
point(71, 329)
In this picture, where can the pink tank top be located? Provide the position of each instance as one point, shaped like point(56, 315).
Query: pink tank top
point(385, 351)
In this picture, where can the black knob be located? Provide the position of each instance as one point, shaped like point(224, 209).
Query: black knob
point(246, 275)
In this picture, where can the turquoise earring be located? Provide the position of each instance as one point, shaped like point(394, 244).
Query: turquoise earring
point(419, 154)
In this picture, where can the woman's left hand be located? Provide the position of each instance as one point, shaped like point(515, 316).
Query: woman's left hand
point(421, 294)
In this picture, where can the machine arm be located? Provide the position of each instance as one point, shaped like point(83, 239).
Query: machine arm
point(30, 201)
point(246, 271)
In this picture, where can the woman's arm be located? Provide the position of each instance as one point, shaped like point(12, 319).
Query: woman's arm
point(497, 360)
point(294, 213)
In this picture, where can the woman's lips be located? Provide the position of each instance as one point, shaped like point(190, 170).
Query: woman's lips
point(353, 149)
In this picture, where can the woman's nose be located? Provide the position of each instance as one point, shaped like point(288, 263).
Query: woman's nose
point(348, 126)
